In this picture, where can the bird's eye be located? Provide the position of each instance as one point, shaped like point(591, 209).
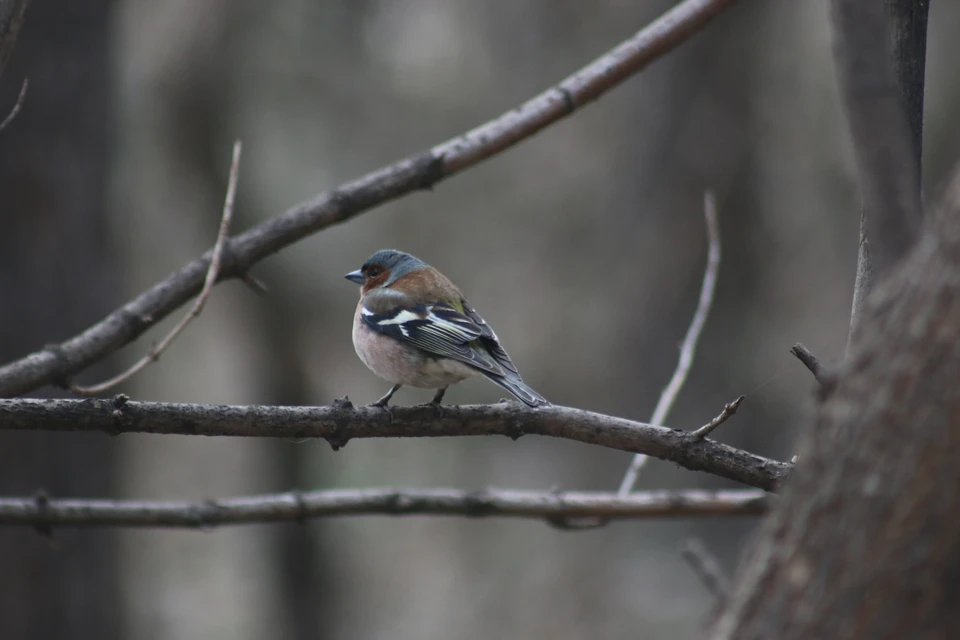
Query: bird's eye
point(373, 272)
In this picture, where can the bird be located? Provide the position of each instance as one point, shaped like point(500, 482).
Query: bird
point(414, 327)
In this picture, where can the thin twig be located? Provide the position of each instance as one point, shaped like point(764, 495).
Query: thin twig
point(811, 362)
point(689, 346)
point(16, 107)
point(728, 410)
point(54, 364)
point(341, 422)
point(254, 284)
point(706, 567)
point(300, 506)
point(212, 273)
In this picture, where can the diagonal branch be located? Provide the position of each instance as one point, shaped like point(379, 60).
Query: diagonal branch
point(55, 364)
point(341, 422)
point(689, 346)
point(154, 354)
point(295, 506)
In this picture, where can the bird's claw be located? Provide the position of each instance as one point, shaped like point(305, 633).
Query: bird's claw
point(384, 406)
point(438, 407)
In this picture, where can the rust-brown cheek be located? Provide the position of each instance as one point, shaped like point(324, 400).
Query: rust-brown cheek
point(373, 283)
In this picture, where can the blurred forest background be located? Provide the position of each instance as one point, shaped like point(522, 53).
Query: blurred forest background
point(584, 247)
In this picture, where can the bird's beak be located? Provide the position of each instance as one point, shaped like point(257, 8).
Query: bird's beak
point(355, 276)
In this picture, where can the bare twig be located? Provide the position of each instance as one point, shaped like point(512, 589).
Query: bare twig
point(255, 285)
point(341, 422)
point(212, 273)
point(689, 346)
point(57, 363)
point(706, 567)
point(300, 506)
point(810, 361)
point(728, 410)
point(16, 106)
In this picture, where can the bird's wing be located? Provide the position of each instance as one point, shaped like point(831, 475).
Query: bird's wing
point(490, 340)
point(437, 328)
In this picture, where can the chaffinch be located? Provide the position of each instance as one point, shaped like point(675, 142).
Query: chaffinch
point(413, 327)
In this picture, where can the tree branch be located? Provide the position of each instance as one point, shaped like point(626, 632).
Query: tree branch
point(341, 422)
point(862, 543)
point(689, 346)
point(811, 362)
point(889, 175)
point(908, 30)
point(295, 506)
point(728, 410)
point(55, 364)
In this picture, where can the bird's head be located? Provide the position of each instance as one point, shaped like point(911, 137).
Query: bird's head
point(383, 268)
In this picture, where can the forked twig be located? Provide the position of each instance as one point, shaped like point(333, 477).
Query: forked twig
point(154, 354)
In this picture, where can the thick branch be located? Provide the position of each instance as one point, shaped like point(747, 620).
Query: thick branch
point(294, 506)
point(885, 152)
point(342, 422)
point(55, 364)
point(908, 30)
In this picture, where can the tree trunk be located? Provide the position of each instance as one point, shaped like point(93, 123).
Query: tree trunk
point(864, 541)
point(56, 277)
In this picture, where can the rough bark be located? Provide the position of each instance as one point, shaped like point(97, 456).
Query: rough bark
point(908, 31)
point(342, 422)
point(864, 542)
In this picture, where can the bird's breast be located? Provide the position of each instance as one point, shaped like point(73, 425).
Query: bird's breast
point(405, 364)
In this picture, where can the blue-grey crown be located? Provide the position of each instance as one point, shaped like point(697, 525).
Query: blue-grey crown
point(397, 262)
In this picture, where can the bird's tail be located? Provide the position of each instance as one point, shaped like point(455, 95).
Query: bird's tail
point(518, 388)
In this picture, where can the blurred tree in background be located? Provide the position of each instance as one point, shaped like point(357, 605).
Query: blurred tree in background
point(591, 233)
point(60, 271)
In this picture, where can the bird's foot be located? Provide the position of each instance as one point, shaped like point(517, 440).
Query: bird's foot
point(385, 407)
point(385, 400)
point(436, 402)
point(436, 406)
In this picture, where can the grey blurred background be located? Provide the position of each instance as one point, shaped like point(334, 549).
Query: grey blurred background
point(584, 247)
